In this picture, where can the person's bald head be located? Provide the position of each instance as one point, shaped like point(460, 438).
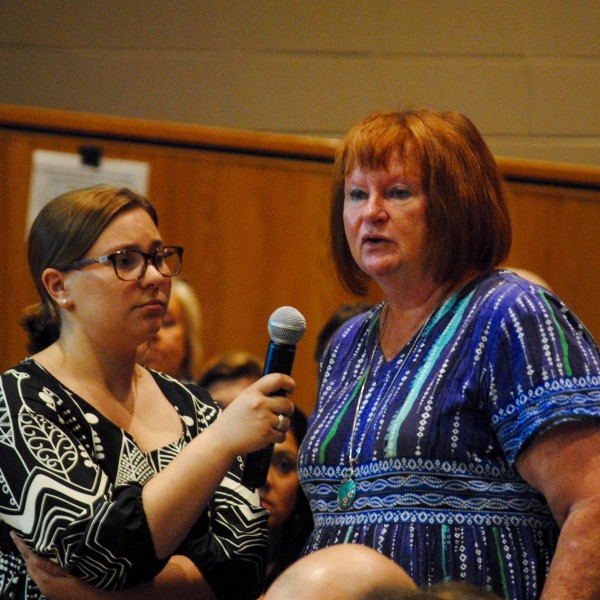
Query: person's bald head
point(344, 571)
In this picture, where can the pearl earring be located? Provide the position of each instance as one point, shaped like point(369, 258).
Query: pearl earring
point(64, 300)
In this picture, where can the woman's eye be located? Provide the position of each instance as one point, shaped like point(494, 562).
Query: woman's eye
point(128, 262)
point(283, 464)
point(357, 194)
point(399, 193)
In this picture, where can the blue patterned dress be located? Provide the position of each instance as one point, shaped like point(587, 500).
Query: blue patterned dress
point(500, 361)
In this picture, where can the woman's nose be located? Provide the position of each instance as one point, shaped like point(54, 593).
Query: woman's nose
point(152, 275)
point(268, 480)
point(375, 207)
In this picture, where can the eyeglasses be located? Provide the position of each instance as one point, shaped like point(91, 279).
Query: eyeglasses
point(131, 265)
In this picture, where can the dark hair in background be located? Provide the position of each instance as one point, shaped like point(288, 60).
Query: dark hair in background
point(230, 366)
point(62, 233)
point(468, 220)
point(446, 590)
point(457, 590)
point(396, 593)
point(339, 317)
point(296, 530)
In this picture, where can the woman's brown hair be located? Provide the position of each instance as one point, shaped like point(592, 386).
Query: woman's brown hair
point(62, 233)
point(467, 217)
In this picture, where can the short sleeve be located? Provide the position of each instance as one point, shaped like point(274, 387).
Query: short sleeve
point(543, 369)
point(118, 529)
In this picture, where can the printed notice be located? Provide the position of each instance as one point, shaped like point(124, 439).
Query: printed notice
point(54, 173)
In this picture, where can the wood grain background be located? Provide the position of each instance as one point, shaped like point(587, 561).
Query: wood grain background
point(251, 210)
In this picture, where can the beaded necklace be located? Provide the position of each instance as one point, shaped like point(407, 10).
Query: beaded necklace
point(348, 490)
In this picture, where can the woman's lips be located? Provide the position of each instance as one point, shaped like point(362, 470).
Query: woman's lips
point(373, 238)
point(373, 241)
point(266, 504)
point(153, 305)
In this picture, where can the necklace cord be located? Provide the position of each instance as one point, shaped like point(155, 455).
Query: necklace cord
point(379, 321)
point(348, 489)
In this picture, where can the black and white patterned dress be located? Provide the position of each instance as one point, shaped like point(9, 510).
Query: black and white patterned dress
point(71, 483)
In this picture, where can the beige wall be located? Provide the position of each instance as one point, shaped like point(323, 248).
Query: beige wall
point(526, 71)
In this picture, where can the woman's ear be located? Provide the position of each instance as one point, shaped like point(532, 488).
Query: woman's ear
point(54, 282)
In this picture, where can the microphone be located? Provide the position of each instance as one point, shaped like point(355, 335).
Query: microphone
point(286, 327)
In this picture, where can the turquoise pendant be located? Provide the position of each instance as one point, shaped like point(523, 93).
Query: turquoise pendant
point(346, 494)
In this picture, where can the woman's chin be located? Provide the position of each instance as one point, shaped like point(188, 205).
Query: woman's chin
point(379, 270)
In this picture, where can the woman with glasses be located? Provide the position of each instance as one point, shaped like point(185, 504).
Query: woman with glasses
point(122, 477)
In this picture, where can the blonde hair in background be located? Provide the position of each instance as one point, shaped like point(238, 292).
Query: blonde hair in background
point(530, 276)
point(192, 315)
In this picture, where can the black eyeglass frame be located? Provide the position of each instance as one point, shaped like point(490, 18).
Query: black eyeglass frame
point(148, 256)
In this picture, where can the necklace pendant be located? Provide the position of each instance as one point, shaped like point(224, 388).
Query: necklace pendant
point(346, 493)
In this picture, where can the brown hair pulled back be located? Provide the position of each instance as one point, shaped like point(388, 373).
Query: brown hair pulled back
point(62, 233)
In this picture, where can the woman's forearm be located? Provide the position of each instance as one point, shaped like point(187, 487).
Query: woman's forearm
point(179, 580)
point(174, 498)
point(575, 571)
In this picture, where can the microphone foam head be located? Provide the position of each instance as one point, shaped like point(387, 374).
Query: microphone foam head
point(287, 325)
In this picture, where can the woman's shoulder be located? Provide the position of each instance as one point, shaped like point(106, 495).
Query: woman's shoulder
point(27, 365)
point(27, 375)
point(29, 384)
point(504, 289)
point(518, 305)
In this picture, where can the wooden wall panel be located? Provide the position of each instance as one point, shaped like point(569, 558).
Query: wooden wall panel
point(254, 230)
point(251, 211)
point(556, 234)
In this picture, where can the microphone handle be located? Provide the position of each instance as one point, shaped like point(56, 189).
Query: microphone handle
point(279, 359)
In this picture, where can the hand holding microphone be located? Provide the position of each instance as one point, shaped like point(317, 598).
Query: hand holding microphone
point(286, 327)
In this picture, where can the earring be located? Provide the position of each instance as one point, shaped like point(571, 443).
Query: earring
point(64, 300)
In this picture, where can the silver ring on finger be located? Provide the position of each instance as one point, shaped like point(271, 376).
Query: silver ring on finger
point(280, 423)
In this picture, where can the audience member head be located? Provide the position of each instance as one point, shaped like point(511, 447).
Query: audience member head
point(176, 349)
point(455, 590)
point(458, 176)
point(61, 234)
point(386, 592)
point(340, 316)
point(282, 492)
point(340, 572)
point(290, 519)
point(227, 375)
point(530, 276)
